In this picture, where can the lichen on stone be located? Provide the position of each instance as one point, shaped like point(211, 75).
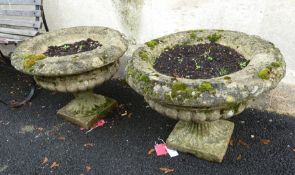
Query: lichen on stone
point(31, 59)
point(152, 44)
point(214, 37)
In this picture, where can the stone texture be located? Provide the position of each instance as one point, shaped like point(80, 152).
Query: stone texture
point(194, 114)
point(280, 100)
point(86, 109)
point(206, 140)
point(79, 82)
point(113, 47)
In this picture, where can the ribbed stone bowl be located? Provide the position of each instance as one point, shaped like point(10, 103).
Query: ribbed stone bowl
point(201, 100)
point(77, 73)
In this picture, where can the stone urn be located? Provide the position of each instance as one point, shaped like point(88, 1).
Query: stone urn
point(203, 106)
point(76, 73)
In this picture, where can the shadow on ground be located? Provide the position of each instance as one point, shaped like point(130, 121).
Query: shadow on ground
point(33, 132)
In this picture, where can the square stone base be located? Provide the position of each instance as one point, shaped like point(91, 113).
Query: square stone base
point(206, 140)
point(88, 118)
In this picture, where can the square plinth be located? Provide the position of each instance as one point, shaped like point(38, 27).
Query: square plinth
point(206, 140)
point(87, 119)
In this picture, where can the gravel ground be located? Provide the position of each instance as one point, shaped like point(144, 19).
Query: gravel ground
point(33, 140)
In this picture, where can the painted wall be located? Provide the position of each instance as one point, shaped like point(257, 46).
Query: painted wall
point(271, 19)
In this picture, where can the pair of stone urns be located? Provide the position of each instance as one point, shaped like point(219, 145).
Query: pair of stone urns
point(201, 105)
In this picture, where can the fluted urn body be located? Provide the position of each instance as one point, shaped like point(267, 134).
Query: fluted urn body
point(202, 105)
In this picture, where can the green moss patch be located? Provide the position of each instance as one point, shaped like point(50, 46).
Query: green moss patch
point(205, 86)
point(180, 89)
point(143, 55)
point(264, 74)
point(214, 37)
point(193, 35)
point(152, 44)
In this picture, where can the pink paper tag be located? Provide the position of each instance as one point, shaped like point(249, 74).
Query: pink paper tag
point(100, 123)
point(161, 149)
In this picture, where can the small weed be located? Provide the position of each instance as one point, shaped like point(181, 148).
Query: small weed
point(244, 64)
point(223, 71)
point(81, 47)
point(210, 58)
point(197, 66)
point(66, 47)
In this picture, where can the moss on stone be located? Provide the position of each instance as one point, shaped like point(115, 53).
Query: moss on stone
point(264, 74)
point(226, 78)
point(152, 44)
point(276, 64)
point(143, 55)
point(200, 39)
point(178, 86)
point(205, 86)
point(180, 89)
point(193, 35)
point(31, 59)
point(144, 78)
point(214, 37)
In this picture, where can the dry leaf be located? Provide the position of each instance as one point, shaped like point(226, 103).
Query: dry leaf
point(88, 145)
point(54, 165)
point(166, 170)
point(62, 138)
point(124, 114)
point(40, 129)
point(264, 141)
point(45, 160)
point(129, 115)
point(151, 151)
point(88, 168)
point(239, 157)
point(241, 142)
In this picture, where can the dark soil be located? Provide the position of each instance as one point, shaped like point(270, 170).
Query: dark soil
point(202, 61)
point(74, 48)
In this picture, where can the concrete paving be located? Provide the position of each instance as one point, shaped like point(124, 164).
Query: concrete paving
point(33, 140)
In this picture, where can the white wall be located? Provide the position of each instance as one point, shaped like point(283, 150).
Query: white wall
point(273, 20)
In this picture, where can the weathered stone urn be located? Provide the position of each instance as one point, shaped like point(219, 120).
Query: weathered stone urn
point(77, 73)
point(203, 105)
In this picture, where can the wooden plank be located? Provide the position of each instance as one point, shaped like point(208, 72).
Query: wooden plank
point(36, 13)
point(23, 32)
point(15, 37)
point(21, 23)
point(3, 41)
point(8, 41)
point(20, 2)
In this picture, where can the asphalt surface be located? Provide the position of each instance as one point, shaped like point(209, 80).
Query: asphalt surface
point(33, 140)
